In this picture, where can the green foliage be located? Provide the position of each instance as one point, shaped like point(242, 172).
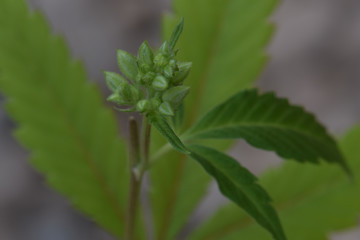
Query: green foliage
point(61, 118)
point(225, 42)
point(163, 127)
point(239, 185)
point(319, 200)
point(270, 123)
point(73, 138)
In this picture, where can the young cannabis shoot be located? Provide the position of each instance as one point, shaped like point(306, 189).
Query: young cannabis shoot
point(155, 81)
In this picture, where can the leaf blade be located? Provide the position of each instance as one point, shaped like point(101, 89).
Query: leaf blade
point(61, 117)
point(239, 185)
point(165, 130)
point(217, 37)
point(269, 123)
point(206, 43)
point(320, 201)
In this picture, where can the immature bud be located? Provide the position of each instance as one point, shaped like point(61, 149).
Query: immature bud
point(143, 105)
point(116, 98)
point(160, 60)
point(127, 64)
point(113, 80)
point(184, 70)
point(160, 83)
point(139, 78)
point(172, 64)
point(164, 48)
point(175, 95)
point(155, 102)
point(166, 109)
point(147, 78)
point(129, 93)
point(145, 55)
point(170, 69)
point(145, 68)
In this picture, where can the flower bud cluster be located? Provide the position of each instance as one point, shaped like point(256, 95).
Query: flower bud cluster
point(151, 83)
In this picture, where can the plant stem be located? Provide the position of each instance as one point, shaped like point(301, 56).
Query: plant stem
point(135, 182)
point(146, 131)
point(138, 161)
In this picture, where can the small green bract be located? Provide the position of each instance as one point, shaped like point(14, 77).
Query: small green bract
point(154, 82)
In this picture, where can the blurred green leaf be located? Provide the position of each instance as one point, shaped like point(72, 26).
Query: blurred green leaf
point(239, 185)
point(270, 123)
point(225, 41)
point(61, 119)
point(319, 201)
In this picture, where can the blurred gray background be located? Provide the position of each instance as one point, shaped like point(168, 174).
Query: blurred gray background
point(315, 62)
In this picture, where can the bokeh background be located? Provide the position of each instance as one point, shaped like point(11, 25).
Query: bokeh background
point(315, 61)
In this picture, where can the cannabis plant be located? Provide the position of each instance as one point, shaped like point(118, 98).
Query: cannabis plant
point(194, 88)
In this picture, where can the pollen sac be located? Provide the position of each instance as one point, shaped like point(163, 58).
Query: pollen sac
point(160, 61)
point(160, 83)
point(148, 78)
point(165, 49)
point(113, 80)
point(127, 64)
point(183, 72)
point(170, 69)
point(145, 55)
point(175, 95)
point(166, 109)
point(128, 93)
point(152, 81)
point(116, 98)
point(143, 106)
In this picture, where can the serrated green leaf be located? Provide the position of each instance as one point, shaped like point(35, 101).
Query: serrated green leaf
point(61, 119)
point(165, 130)
point(239, 185)
point(224, 40)
point(312, 201)
point(270, 123)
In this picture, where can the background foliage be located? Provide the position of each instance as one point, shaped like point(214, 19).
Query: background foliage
point(195, 175)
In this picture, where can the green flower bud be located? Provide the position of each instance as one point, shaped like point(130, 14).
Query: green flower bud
point(164, 48)
point(113, 80)
point(155, 102)
point(184, 70)
point(160, 60)
point(160, 83)
point(166, 109)
point(175, 95)
point(139, 78)
point(143, 106)
point(116, 98)
point(145, 68)
point(145, 55)
point(148, 78)
point(127, 64)
point(173, 65)
point(129, 93)
point(170, 69)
